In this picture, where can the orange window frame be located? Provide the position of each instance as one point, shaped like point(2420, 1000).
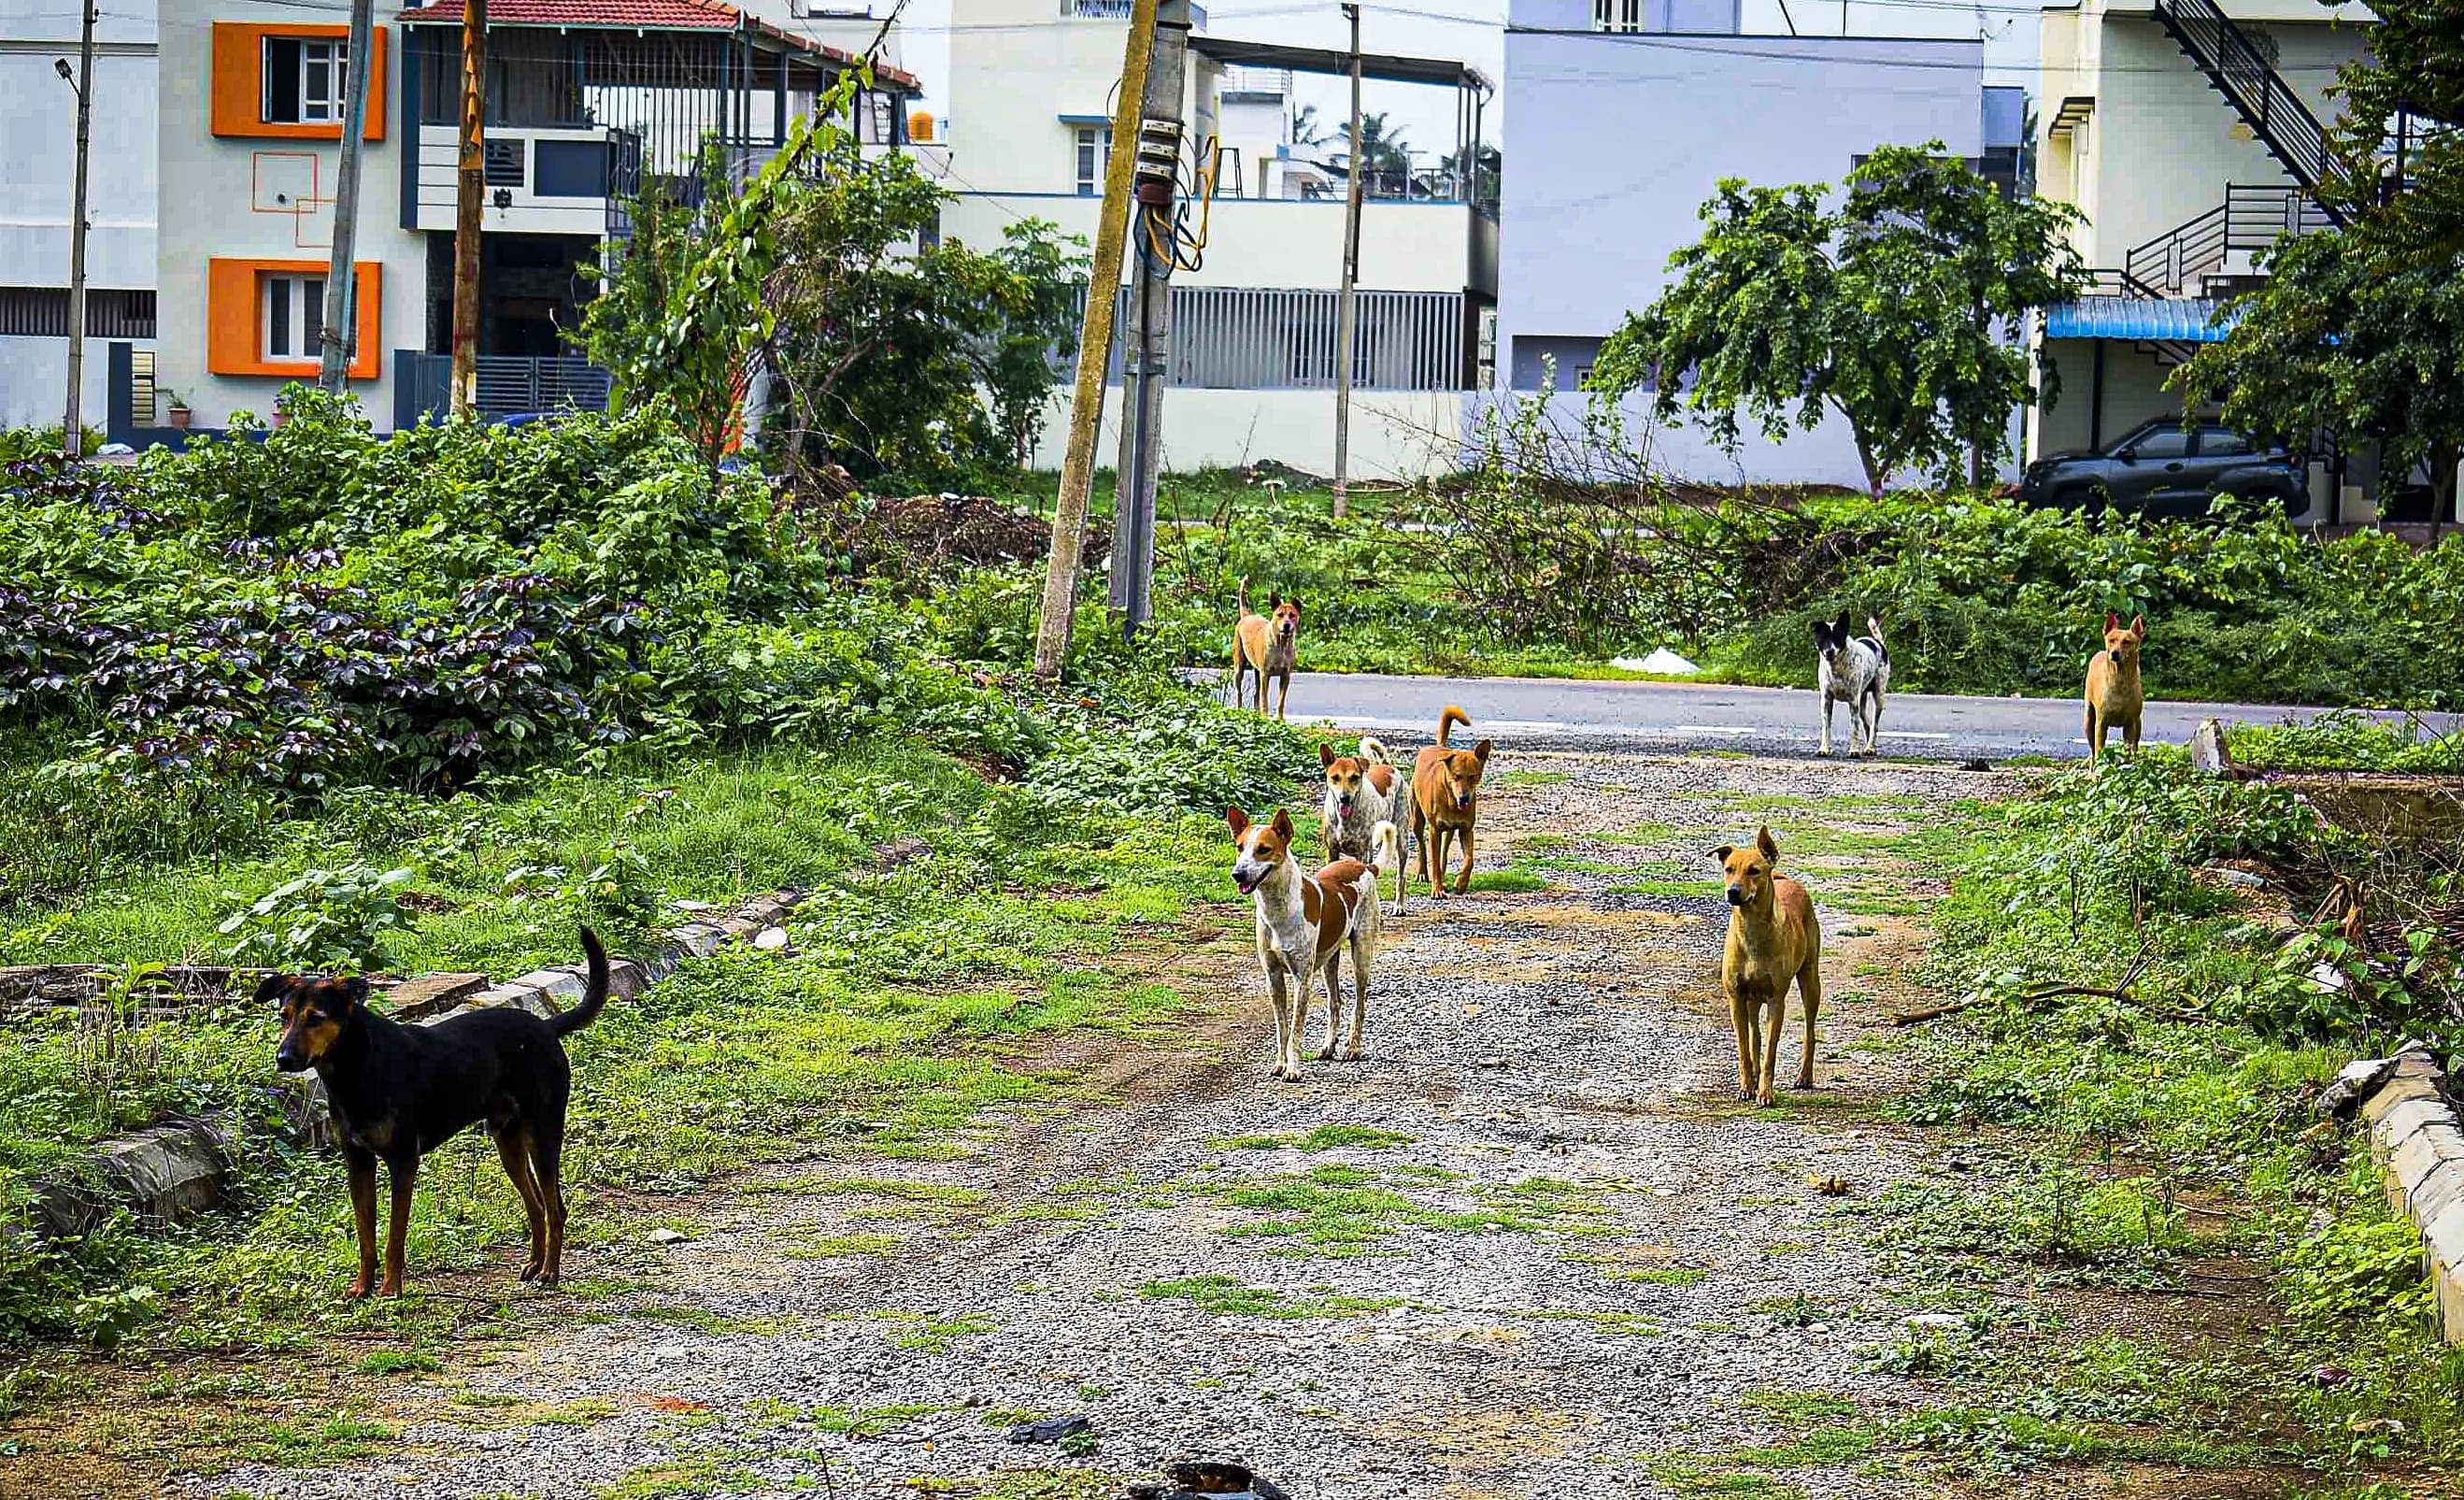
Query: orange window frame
point(238, 93)
point(234, 315)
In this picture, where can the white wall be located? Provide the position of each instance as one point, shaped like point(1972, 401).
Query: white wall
point(1275, 242)
point(1395, 434)
point(37, 186)
point(1016, 68)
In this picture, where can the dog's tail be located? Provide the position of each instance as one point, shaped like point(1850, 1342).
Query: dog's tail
point(1447, 720)
point(1244, 593)
point(594, 999)
point(1386, 847)
point(1374, 751)
point(1874, 627)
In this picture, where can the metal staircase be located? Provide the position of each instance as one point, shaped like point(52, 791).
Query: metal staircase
point(2265, 102)
point(2211, 254)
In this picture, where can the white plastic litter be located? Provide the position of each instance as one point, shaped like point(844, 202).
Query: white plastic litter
point(1663, 661)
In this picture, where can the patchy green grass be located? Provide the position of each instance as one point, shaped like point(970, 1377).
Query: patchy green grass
point(1322, 1137)
point(1228, 1296)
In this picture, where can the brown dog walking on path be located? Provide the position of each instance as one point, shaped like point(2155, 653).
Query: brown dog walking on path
point(1268, 645)
point(1445, 801)
point(1775, 940)
point(2114, 696)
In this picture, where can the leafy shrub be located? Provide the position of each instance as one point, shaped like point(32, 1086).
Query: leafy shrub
point(2364, 1268)
point(326, 921)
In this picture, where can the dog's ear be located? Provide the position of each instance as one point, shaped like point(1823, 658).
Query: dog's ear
point(2112, 622)
point(1295, 603)
point(1767, 845)
point(1275, 600)
point(1844, 629)
point(1481, 751)
point(1722, 854)
point(1282, 824)
point(1821, 632)
point(1325, 753)
point(1239, 820)
point(2139, 626)
point(271, 989)
point(354, 991)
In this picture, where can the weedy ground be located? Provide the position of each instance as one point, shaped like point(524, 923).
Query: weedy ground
point(993, 1148)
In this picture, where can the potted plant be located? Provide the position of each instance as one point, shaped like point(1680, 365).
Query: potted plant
point(178, 413)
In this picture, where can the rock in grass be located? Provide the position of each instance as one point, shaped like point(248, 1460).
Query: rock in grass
point(1051, 1429)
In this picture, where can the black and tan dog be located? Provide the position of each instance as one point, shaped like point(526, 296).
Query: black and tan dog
point(400, 1091)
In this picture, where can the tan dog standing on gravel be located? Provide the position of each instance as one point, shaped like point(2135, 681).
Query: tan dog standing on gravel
point(2114, 695)
point(1268, 645)
point(1305, 923)
point(1775, 940)
point(1445, 801)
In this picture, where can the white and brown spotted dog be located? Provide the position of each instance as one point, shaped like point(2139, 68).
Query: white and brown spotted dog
point(1305, 923)
point(1362, 791)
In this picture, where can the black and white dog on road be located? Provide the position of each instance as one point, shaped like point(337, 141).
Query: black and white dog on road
point(1854, 669)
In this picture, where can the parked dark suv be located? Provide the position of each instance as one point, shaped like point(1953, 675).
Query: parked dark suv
point(2163, 469)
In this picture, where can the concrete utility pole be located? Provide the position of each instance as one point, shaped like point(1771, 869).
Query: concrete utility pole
point(1148, 355)
point(1347, 325)
point(341, 294)
point(73, 423)
point(471, 185)
point(1095, 352)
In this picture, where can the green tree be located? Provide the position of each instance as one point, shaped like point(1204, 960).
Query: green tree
point(1895, 310)
point(2333, 341)
point(2395, 96)
point(893, 354)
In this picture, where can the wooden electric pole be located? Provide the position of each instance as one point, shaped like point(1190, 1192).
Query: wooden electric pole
point(1095, 352)
point(1347, 314)
point(1147, 353)
point(341, 295)
point(73, 423)
point(471, 184)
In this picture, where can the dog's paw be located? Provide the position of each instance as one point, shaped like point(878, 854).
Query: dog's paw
point(1286, 1075)
point(359, 1291)
point(530, 1271)
point(1326, 1053)
point(1353, 1054)
point(1804, 1081)
point(1766, 1098)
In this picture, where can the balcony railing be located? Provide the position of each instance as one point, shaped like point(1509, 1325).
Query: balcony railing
point(1119, 10)
point(2226, 240)
point(510, 384)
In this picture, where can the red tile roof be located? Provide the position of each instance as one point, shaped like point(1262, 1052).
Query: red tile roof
point(649, 16)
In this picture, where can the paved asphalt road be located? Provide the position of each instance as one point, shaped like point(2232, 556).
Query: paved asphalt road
point(1540, 713)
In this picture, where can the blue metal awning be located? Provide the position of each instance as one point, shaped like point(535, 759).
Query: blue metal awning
point(2140, 318)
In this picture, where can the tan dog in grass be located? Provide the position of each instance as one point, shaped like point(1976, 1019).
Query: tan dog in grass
point(1305, 924)
point(1445, 801)
point(2114, 695)
point(1774, 941)
point(1268, 645)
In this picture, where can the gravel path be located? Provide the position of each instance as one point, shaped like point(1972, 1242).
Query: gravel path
point(1536, 1248)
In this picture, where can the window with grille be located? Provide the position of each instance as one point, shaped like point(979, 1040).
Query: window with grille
point(1094, 145)
point(292, 317)
point(1617, 15)
point(303, 80)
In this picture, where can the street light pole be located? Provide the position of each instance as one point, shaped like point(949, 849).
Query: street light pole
point(71, 423)
point(341, 292)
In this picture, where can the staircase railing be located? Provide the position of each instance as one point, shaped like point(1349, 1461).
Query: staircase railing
point(2240, 71)
point(2251, 219)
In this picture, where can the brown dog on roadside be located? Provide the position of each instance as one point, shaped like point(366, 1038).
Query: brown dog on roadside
point(1445, 801)
point(2114, 695)
point(1774, 941)
point(1268, 645)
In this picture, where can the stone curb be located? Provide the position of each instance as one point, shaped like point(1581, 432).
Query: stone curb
point(172, 1170)
point(2417, 1139)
